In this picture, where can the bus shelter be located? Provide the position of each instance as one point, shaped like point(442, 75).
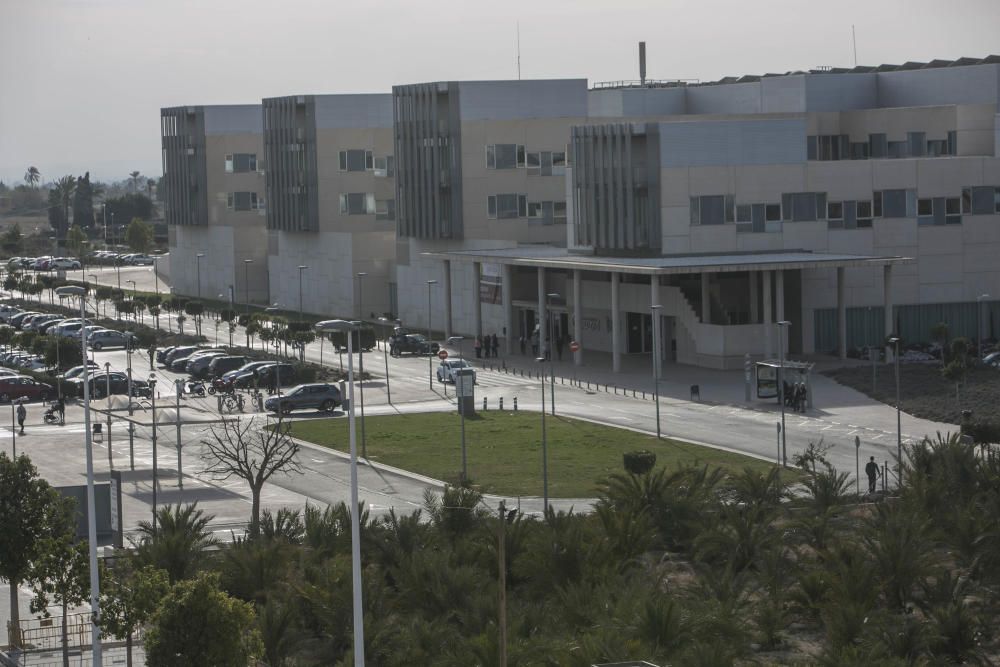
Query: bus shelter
point(768, 371)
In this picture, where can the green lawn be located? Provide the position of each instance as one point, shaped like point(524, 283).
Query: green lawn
point(505, 452)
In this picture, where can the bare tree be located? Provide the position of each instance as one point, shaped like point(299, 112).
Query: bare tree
point(251, 452)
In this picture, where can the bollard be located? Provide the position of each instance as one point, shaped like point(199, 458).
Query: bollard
point(885, 472)
point(484, 404)
point(633, 393)
point(515, 404)
point(644, 396)
point(501, 403)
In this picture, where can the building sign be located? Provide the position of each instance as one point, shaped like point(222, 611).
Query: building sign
point(591, 323)
point(491, 284)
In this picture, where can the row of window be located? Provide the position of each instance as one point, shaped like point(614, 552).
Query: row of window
point(508, 206)
point(244, 201)
point(364, 160)
point(515, 156)
point(825, 147)
point(848, 214)
point(239, 163)
point(365, 203)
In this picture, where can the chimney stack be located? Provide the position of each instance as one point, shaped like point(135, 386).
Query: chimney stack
point(642, 62)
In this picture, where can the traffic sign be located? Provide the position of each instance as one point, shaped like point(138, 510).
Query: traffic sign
point(442, 354)
point(574, 346)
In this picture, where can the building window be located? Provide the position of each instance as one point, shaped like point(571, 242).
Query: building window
point(895, 204)
point(507, 206)
point(357, 203)
point(803, 206)
point(827, 147)
point(878, 147)
point(859, 150)
point(712, 210)
point(559, 212)
point(898, 149)
point(917, 143)
point(385, 167)
point(356, 160)
point(981, 200)
point(937, 147)
point(385, 209)
point(242, 201)
point(239, 163)
point(505, 156)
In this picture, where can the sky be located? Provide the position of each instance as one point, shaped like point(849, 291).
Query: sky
point(82, 81)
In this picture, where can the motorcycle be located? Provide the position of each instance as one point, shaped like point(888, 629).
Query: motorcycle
point(52, 416)
point(220, 386)
point(196, 387)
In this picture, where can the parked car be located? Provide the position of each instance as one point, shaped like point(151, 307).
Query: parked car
point(141, 260)
point(446, 370)
point(412, 344)
point(63, 263)
point(221, 365)
point(99, 385)
point(78, 371)
point(103, 338)
point(68, 328)
point(180, 362)
point(40, 263)
point(178, 352)
point(250, 368)
point(20, 386)
point(45, 328)
point(8, 311)
point(38, 320)
point(286, 375)
point(199, 364)
point(17, 319)
point(162, 353)
point(319, 396)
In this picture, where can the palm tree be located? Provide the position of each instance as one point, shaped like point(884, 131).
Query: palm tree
point(135, 181)
point(150, 183)
point(64, 189)
point(32, 176)
point(176, 542)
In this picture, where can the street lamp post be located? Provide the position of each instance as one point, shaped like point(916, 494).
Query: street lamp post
point(656, 363)
point(430, 369)
point(899, 419)
point(302, 268)
point(545, 448)
point(979, 324)
point(246, 286)
point(361, 361)
point(107, 395)
point(385, 350)
point(134, 316)
point(458, 402)
point(358, 613)
point(552, 342)
point(781, 388)
point(97, 656)
point(152, 399)
point(131, 424)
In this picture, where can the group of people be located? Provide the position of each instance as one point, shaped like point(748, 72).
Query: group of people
point(796, 395)
point(537, 348)
point(487, 346)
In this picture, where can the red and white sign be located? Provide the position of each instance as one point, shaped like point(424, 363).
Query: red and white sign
point(574, 346)
point(442, 354)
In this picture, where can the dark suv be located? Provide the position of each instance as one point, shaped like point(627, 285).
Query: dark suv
point(411, 344)
point(221, 365)
point(263, 374)
point(319, 396)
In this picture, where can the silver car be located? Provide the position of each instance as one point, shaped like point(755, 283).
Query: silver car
point(99, 340)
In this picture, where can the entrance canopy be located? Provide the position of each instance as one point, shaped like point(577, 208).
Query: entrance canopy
point(551, 257)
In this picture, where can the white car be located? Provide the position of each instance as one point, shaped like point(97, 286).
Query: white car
point(68, 328)
point(446, 371)
point(105, 338)
point(64, 263)
point(7, 312)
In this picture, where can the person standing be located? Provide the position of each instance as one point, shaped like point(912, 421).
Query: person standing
point(495, 345)
point(479, 347)
point(559, 346)
point(523, 344)
point(22, 414)
point(873, 472)
point(61, 409)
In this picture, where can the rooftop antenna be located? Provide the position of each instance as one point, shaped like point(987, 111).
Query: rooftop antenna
point(854, 44)
point(518, 50)
point(642, 63)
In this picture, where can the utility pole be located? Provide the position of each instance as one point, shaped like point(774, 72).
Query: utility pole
point(502, 600)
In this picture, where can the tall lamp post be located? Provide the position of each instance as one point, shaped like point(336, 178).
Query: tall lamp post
point(551, 354)
point(656, 363)
point(899, 419)
point(152, 399)
point(134, 316)
point(388, 390)
point(979, 324)
point(302, 267)
point(358, 612)
point(430, 369)
point(361, 360)
point(545, 448)
point(95, 608)
point(246, 286)
point(781, 387)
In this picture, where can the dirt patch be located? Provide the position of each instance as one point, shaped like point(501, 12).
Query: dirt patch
point(925, 392)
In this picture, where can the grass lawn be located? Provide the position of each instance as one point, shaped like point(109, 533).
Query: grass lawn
point(925, 393)
point(504, 449)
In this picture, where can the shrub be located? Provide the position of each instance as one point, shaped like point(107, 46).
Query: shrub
point(639, 462)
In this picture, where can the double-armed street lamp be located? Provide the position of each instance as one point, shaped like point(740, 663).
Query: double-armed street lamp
point(899, 418)
point(545, 449)
point(349, 328)
point(551, 354)
point(781, 387)
point(69, 291)
point(430, 362)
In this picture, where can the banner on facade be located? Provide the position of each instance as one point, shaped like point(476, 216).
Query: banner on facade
point(491, 284)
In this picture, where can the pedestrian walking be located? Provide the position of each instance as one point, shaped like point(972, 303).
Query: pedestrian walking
point(61, 409)
point(873, 472)
point(478, 347)
point(523, 344)
point(534, 344)
point(22, 414)
point(495, 346)
point(559, 346)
